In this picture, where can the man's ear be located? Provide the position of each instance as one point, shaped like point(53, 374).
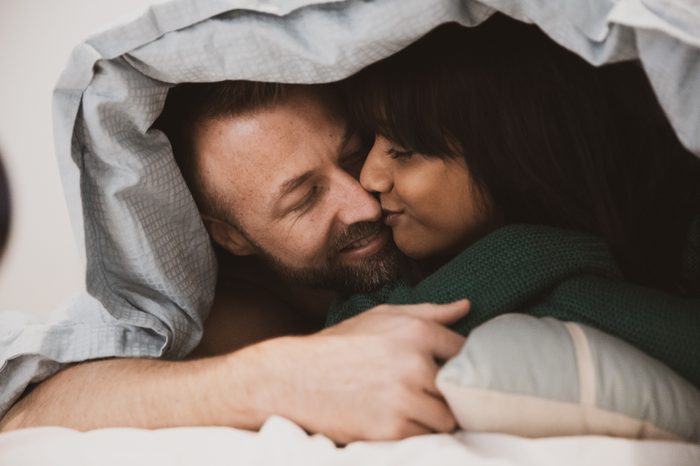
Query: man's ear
point(228, 236)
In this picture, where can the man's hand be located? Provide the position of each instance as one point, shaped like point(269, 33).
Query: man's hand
point(370, 377)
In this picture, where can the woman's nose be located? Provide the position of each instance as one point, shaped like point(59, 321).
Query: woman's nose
point(375, 175)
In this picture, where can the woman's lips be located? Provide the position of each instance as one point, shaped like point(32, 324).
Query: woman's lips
point(391, 217)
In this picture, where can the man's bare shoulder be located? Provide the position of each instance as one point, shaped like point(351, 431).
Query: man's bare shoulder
point(252, 304)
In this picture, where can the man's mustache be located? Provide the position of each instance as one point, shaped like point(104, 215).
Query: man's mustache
point(355, 232)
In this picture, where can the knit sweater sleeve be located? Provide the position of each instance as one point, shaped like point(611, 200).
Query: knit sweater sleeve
point(554, 273)
point(499, 273)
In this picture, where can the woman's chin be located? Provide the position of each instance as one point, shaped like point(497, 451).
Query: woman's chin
point(425, 250)
point(412, 249)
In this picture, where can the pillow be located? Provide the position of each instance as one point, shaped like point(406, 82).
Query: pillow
point(532, 377)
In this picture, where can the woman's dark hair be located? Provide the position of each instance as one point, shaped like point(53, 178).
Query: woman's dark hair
point(4, 209)
point(549, 138)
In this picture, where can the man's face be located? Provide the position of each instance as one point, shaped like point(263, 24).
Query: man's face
point(287, 177)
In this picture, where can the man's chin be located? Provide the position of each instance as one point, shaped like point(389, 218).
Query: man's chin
point(368, 275)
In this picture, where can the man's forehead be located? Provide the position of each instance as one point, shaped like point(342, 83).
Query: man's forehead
point(300, 118)
point(262, 150)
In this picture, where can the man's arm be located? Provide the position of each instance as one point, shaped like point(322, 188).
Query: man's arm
point(371, 377)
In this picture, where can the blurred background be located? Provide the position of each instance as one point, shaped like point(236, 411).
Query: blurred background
point(41, 266)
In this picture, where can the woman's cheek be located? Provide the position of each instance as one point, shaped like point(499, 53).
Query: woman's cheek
point(411, 238)
point(417, 184)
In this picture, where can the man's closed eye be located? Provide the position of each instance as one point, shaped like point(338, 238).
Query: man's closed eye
point(308, 201)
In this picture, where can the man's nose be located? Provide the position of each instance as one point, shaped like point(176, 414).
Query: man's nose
point(355, 204)
point(375, 176)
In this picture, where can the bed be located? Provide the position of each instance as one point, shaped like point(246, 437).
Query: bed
point(111, 92)
point(282, 442)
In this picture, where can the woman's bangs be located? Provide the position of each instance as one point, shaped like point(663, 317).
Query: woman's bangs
point(387, 104)
point(371, 112)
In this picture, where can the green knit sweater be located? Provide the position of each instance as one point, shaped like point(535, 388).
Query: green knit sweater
point(546, 271)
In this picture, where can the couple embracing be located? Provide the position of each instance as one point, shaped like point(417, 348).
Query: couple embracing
point(506, 175)
point(509, 173)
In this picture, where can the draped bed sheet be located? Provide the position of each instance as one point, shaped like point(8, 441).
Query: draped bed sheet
point(150, 269)
point(281, 442)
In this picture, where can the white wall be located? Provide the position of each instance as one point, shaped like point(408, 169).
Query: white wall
point(41, 267)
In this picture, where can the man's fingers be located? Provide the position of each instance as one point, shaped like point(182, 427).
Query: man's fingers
point(443, 343)
point(428, 380)
point(440, 313)
point(406, 429)
point(432, 413)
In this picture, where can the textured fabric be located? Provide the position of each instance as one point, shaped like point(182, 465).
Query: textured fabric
point(521, 375)
point(550, 272)
point(280, 442)
point(150, 270)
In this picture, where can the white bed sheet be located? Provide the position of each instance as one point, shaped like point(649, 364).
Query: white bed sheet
point(281, 442)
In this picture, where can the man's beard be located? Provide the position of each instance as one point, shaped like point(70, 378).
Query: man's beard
point(363, 276)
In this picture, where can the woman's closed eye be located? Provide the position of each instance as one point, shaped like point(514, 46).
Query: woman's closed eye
point(399, 154)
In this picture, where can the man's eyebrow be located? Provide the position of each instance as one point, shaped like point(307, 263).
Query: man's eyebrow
point(293, 183)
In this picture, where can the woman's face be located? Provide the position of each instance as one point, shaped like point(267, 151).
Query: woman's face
point(430, 202)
